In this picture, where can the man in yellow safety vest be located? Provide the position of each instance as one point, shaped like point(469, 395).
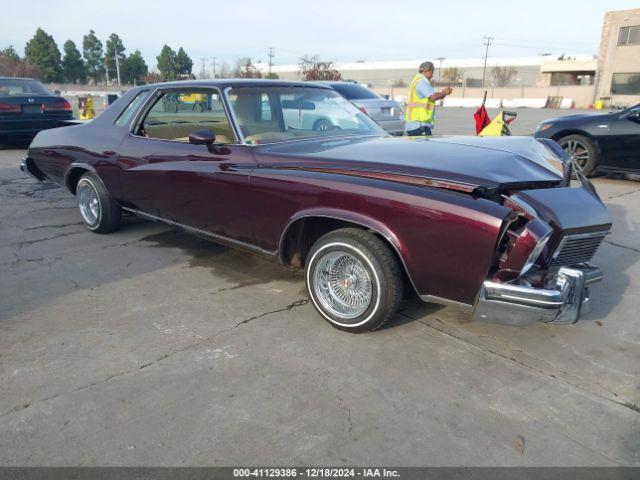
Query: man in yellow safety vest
point(421, 101)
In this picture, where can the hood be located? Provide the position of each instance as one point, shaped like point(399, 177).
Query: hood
point(588, 117)
point(497, 163)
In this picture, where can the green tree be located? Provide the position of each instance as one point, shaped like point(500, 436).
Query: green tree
point(167, 63)
point(92, 52)
point(112, 47)
point(42, 51)
point(134, 69)
point(10, 54)
point(183, 62)
point(72, 64)
point(271, 76)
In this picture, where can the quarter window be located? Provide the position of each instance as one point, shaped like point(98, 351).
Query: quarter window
point(177, 113)
point(629, 35)
point(127, 114)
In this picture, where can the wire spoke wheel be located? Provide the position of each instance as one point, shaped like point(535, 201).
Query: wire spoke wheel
point(89, 203)
point(342, 284)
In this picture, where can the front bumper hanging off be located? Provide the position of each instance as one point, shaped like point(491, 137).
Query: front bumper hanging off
point(565, 295)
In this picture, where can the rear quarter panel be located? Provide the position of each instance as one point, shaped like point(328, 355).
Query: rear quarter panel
point(94, 145)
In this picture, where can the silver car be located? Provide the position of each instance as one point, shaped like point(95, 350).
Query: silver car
point(388, 113)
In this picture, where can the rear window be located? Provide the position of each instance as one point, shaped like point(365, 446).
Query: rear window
point(19, 86)
point(351, 91)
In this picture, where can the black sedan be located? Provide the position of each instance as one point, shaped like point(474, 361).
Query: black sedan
point(27, 107)
point(608, 142)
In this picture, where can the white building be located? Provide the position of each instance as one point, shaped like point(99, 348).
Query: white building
point(381, 74)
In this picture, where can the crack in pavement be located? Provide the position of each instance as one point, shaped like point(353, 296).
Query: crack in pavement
point(297, 303)
point(621, 246)
point(60, 225)
point(52, 237)
point(26, 405)
point(348, 410)
point(623, 194)
point(485, 349)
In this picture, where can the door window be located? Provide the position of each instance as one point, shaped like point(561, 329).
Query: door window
point(177, 113)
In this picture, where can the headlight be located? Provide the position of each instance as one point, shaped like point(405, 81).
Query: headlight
point(542, 127)
point(535, 253)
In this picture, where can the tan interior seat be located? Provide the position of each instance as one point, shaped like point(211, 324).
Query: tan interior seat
point(169, 129)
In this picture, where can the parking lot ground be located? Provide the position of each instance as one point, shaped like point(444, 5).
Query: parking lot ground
point(151, 347)
point(459, 121)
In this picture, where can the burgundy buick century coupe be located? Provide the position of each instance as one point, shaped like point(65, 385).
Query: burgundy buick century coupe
point(295, 172)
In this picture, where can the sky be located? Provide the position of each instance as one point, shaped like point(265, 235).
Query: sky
point(337, 30)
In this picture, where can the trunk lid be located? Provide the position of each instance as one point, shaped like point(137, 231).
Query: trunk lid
point(35, 106)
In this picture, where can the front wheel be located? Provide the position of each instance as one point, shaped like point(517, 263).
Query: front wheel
point(354, 280)
point(98, 210)
point(582, 151)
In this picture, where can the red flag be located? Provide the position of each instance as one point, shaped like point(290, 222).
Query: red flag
point(482, 118)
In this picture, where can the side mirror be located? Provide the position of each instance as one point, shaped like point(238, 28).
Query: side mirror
point(203, 136)
point(634, 115)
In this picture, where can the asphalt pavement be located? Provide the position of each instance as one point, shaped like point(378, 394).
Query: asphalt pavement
point(151, 347)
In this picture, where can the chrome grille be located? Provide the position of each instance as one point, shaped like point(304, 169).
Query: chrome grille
point(575, 249)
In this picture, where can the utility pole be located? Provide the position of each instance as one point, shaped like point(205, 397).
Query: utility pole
point(440, 59)
point(118, 67)
point(486, 42)
point(213, 64)
point(106, 68)
point(271, 56)
point(202, 70)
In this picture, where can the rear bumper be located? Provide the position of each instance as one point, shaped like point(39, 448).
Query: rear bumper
point(27, 166)
point(19, 127)
point(562, 300)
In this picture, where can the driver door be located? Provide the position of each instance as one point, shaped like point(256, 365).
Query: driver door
point(202, 187)
point(622, 150)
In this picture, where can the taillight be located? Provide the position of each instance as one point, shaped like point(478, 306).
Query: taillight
point(363, 110)
point(62, 106)
point(9, 108)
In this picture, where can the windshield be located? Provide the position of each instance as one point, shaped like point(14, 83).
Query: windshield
point(19, 86)
point(277, 114)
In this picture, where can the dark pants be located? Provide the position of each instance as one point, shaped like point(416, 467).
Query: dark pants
point(423, 130)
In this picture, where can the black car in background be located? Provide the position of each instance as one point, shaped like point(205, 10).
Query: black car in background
point(607, 142)
point(27, 107)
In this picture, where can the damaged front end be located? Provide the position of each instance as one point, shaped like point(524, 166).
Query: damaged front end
point(542, 271)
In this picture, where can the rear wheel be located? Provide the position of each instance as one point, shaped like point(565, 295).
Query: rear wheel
point(354, 280)
point(322, 124)
point(98, 210)
point(582, 150)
